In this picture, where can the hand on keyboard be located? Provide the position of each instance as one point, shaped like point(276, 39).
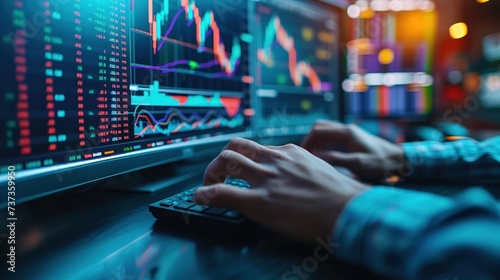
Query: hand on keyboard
point(292, 191)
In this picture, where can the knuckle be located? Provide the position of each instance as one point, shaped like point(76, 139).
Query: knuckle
point(234, 142)
point(292, 148)
point(201, 197)
point(214, 192)
point(350, 130)
point(226, 155)
point(289, 146)
point(248, 149)
point(352, 127)
point(215, 176)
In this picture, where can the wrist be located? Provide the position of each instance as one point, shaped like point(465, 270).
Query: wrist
point(395, 160)
point(357, 190)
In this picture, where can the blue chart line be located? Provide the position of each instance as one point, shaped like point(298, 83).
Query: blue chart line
point(166, 68)
point(219, 118)
point(174, 111)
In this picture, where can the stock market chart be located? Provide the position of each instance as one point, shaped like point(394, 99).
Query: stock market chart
point(89, 79)
point(294, 48)
point(193, 74)
point(296, 65)
point(65, 76)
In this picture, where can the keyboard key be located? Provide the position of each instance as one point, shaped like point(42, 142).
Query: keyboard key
point(215, 211)
point(199, 208)
point(184, 205)
point(177, 197)
point(237, 182)
point(167, 203)
point(232, 214)
point(188, 193)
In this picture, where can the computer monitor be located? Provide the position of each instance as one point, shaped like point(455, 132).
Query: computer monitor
point(294, 61)
point(92, 89)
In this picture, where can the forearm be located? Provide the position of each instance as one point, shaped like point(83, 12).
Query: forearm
point(413, 235)
point(464, 161)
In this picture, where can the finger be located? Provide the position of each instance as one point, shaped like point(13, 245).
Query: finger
point(347, 160)
point(231, 163)
point(225, 196)
point(322, 134)
point(248, 148)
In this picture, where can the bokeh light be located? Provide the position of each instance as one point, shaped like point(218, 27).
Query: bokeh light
point(458, 30)
point(353, 11)
point(385, 56)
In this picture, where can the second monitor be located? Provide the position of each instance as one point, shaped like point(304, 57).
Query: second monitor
point(295, 66)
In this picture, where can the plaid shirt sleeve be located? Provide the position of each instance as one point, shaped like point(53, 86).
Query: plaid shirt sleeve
point(406, 234)
point(465, 161)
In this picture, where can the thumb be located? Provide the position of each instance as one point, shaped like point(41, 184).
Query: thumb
point(221, 195)
point(347, 160)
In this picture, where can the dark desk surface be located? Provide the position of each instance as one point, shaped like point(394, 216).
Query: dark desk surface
point(103, 234)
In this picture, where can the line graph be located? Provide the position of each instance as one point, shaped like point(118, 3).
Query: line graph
point(298, 69)
point(189, 68)
point(176, 121)
point(295, 53)
point(226, 50)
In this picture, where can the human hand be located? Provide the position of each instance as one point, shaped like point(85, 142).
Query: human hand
point(292, 191)
point(367, 156)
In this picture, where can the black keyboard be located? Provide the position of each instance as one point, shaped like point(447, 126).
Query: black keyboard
point(180, 208)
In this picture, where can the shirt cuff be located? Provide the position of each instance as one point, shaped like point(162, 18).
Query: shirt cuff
point(428, 159)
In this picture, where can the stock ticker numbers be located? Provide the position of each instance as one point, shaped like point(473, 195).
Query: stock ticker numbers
point(89, 78)
point(65, 71)
point(108, 59)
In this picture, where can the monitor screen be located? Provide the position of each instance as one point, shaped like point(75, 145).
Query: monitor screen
point(96, 88)
point(295, 66)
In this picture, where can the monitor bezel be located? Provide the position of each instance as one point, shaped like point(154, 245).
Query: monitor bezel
point(31, 184)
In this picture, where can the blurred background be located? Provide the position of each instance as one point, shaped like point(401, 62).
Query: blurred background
point(423, 61)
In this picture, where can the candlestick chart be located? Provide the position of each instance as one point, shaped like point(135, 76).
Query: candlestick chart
point(194, 73)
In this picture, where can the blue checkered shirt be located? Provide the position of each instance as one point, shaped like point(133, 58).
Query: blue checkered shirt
point(405, 234)
point(462, 161)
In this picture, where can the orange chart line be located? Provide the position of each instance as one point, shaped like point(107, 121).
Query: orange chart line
point(219, 49)
point(182, 43)
point(218, 46)
point(297, 70)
